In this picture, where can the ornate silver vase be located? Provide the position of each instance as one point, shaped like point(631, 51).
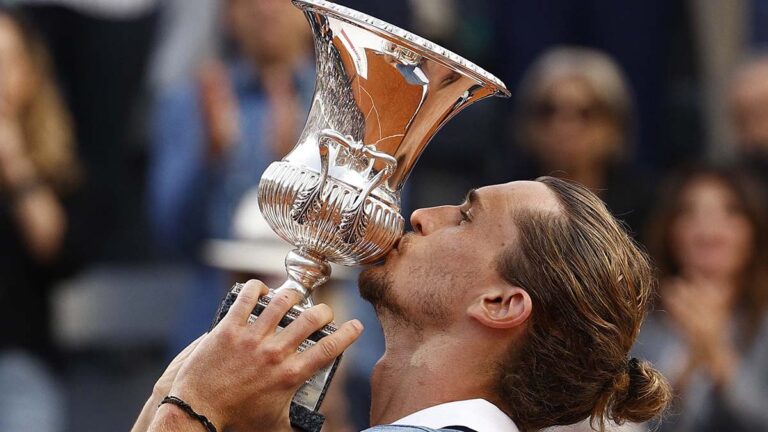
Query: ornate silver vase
point(381, 94)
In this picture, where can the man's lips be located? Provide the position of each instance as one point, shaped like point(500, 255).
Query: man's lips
point(402, 243)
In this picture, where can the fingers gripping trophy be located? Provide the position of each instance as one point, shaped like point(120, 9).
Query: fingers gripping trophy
point(381, 94)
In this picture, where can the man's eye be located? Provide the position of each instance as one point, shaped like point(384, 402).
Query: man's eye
point(465, 216)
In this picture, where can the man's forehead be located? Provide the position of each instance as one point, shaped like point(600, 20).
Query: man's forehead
point(517, 195)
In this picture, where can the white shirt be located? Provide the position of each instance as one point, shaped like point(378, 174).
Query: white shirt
point(477, 414)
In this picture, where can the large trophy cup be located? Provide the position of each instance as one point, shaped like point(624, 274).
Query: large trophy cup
point(380, 96)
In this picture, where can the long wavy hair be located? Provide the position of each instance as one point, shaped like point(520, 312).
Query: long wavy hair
point(45, 122)
point(590, 285)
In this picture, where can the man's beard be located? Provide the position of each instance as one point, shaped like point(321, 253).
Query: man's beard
point(375, 285)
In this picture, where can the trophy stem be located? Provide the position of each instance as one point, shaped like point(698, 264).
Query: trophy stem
point(306, 271)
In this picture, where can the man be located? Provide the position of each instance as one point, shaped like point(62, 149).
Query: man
point(512, 311)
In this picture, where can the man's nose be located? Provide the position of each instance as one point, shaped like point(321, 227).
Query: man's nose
point(427, 220)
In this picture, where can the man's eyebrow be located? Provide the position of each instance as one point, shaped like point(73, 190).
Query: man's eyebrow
point(472, 198)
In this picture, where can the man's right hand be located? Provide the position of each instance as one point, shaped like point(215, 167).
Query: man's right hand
point(243, 376)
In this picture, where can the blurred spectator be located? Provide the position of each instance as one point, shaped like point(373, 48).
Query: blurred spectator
point(575, 120)
point(213, 135)
point(188, 32)
point(36, 165)
point(748, 100)
point(641, 36)
point(101, 49)
point(710, 333)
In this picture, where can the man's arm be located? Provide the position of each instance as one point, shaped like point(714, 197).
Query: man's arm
point(146, 415)
point(162, 388)
point(170, 418)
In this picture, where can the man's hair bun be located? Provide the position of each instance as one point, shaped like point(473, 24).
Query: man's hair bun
point(640, 393)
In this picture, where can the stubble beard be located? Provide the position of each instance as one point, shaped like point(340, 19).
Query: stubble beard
point(375, 285)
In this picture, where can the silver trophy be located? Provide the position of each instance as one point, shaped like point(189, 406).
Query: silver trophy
point(381, 94)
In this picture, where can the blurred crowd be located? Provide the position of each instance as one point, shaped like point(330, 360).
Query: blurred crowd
point(133, 134)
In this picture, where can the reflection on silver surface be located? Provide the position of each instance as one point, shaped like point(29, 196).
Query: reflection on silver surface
point(381, 95)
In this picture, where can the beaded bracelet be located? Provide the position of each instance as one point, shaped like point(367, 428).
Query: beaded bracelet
point(173, 400)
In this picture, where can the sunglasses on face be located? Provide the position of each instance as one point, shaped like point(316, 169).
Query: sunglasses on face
point(548, 110)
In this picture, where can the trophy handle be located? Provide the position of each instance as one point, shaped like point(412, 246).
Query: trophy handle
point(353, 219)
point(308, 203)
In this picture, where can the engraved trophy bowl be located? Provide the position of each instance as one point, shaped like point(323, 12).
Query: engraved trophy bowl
point(381, 94)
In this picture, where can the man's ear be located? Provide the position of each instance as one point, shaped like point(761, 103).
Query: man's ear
point(503, 306)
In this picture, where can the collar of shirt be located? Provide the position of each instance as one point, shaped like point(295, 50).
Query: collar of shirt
point(477, 414)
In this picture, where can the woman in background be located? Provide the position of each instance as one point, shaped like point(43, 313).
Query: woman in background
point(36, 165)
point(709, 334)
point(575, 120)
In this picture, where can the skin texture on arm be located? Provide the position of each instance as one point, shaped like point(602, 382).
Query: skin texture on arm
point(170, 418)
point(162, 388)
point(242, 376)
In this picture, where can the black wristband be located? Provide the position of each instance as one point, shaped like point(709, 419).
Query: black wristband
point(173, 400)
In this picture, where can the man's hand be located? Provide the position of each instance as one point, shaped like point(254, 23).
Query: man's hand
point(164, 383)
point(243, 376)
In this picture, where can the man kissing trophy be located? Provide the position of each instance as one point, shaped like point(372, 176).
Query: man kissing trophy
point(381, 94)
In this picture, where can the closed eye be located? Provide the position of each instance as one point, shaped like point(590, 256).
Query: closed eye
point(465, 216)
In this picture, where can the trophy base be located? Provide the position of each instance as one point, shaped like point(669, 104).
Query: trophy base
point(305, 403)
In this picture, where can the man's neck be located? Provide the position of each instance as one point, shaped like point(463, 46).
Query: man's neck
point(418, 371)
